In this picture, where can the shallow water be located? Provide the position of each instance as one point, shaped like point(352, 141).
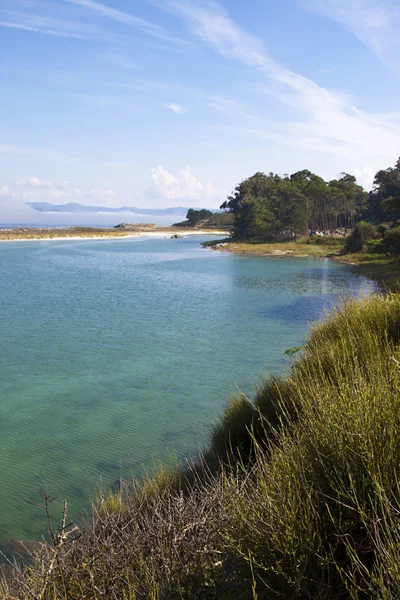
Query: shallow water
point(117, 351)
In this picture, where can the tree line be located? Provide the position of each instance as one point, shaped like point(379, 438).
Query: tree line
point(271, 206)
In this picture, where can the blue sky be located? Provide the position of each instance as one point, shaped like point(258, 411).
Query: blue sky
point(172, 102)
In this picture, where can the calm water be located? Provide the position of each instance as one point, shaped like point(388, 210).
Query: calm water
point(116, 351)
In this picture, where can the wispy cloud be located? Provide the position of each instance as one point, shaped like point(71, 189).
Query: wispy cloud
point(127, 19)
point(374, 22)
point(49, 25)
point(54, 32)
point(176, 108)
point(322, 120)
point(31, 151)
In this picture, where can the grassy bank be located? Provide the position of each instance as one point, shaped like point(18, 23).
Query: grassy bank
point(297, 497)
point(379, 266)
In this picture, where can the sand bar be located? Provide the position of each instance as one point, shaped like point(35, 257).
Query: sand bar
point(45, 235)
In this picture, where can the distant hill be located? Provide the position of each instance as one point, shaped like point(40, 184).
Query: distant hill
point(74, 207)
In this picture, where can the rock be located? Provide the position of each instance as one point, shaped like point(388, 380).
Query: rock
point(176, 236)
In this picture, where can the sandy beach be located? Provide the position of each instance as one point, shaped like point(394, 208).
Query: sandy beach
point(33, 235)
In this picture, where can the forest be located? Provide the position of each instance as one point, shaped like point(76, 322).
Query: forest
point(270, 206)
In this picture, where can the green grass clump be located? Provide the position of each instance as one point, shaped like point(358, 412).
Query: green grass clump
point(297, 497)
point(320, 515)
point(330, 241)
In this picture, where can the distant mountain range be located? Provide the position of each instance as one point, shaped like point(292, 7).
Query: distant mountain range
point(74, 207)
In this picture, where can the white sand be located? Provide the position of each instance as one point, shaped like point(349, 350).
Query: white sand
point(156, 234)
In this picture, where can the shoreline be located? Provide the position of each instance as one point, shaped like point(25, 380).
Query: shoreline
point(380, 268)
point(62, 235)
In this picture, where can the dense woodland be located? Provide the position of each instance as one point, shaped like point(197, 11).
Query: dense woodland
point(271, 206)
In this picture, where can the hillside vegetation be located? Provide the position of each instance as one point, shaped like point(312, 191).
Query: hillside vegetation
point(268, 207)
point(205, 219)
point(297, 497)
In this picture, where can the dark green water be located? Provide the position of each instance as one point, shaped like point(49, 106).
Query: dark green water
point(116, 351)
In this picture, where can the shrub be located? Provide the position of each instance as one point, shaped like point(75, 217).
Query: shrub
point(391, 241)
point(363, 232)
point(382, 229)
point(319, 517)
point(329, 241)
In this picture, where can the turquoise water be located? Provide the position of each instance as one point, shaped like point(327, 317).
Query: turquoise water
point(116, 351)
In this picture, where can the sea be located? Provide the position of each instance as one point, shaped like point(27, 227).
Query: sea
point(118, 353)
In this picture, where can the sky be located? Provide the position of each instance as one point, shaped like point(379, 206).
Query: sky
point(157, 103)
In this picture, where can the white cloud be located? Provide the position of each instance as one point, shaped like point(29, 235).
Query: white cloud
point(53, 32)
point(127, 19)
point(35, 182)
point(38, 183)
point(184, 187)
point(374, 22)
point(324, 121)
point(365, 177)
point(176, 108)
point(4, 190)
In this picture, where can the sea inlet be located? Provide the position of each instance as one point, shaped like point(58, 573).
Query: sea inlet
point(118, 352)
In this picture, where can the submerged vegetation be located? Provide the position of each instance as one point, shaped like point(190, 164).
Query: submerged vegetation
point(298, 496)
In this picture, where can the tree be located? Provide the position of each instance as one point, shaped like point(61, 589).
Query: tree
point(384, 200)
point(350, 201)
point(298, 220)
point(362, 234)
point(194, 216)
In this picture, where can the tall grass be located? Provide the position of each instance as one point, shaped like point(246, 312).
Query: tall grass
point(297, 497)
point(320, 514)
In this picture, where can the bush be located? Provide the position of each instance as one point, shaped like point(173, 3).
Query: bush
point(382, 229)
point(330, 241)
point(320, 515)
point(391, 241)
point(362, 234)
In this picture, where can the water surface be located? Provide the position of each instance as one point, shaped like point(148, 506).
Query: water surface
point(116, 351)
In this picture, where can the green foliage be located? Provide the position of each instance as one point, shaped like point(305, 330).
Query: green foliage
point(384, 200)
point(362, 234)
point(270, 206)
point(223, 220)
point(391, 242)
point(320, 515)
point(194, 216)
point(383, 229)
point(330, 241)
point(206, 219)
